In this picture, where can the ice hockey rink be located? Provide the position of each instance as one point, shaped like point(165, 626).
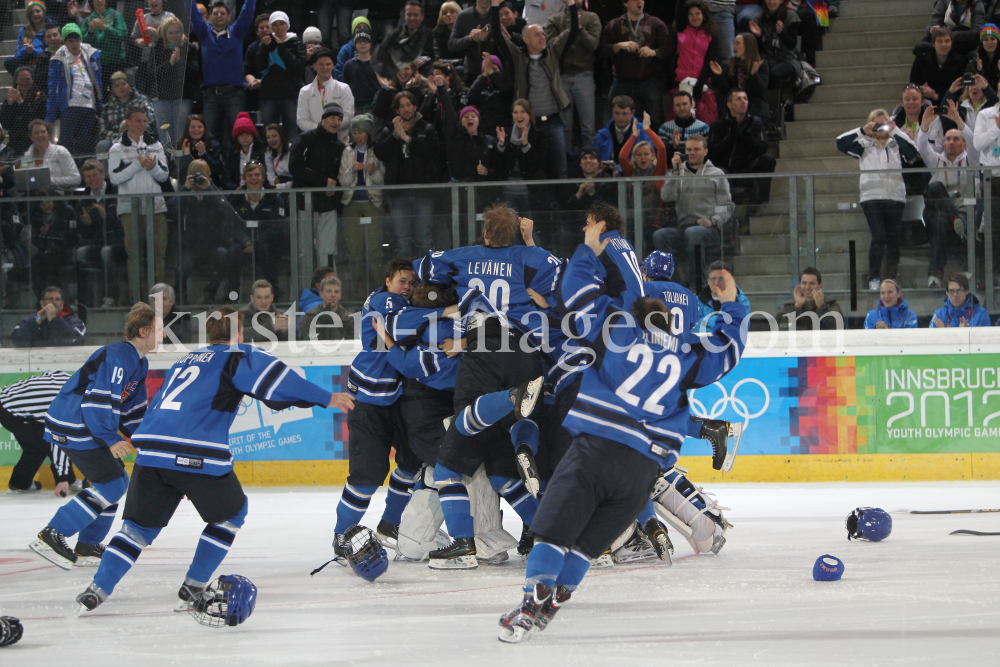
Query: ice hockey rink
point(920, 597)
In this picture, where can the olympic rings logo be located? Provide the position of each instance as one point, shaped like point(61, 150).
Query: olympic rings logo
point(738, 405)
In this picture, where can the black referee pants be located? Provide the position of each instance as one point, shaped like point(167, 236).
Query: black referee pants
point(30, 435)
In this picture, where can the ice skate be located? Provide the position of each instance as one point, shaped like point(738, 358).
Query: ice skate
point(718, 432)
point(496, 559)
point(35, 486)
point(51, 545)
point(526, 543)
point(518, 623)
point(186, 593)
point(636, 549)
point(459, 555)
point(526, 396)
point(91, 598)
point(551, 606)
point(602, 562)
point(656, 533)
point(88, 555)
point(527, 469)
point(340, 550)
point(387, 534)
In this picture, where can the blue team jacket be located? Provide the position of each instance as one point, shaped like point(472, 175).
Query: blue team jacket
point(974, 314)
point(106, 396)
point(187, 425)
point(897, 317)
point(222, 55)
point(633, 391)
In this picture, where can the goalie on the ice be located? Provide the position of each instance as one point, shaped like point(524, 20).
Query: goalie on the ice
point(627, 422)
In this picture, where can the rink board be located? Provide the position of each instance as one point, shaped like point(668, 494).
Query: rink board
point(862, 406)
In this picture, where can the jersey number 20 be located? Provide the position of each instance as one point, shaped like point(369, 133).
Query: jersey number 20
point(499, 292)
point(670, 366)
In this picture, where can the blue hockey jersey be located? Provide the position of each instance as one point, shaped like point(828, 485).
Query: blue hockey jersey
point(502, 275)
point(625, 284)
point(104, 399)
point(187, 425)
point(634, 391)
point(681, 301)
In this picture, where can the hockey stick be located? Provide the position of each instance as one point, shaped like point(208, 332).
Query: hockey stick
point(953, 511)
point(970, 532)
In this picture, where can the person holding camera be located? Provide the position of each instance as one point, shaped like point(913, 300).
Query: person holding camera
point(877, 145)
point(101, 237)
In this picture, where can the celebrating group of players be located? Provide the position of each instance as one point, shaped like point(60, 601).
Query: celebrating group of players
point(493, 370)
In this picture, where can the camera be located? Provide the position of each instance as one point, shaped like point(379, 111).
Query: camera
point(880, 127)
point(199, 179)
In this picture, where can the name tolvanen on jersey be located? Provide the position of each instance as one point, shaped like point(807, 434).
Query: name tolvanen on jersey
point(674, 297)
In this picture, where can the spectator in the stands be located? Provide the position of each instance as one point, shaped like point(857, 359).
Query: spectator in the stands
point(639, 46)
point(512, 23)
point(197, 143)
point(412, 153)
point(360, 167)
point(137, 164)
point(986, 141)
point(970, 100)
point(987, 61)
point(349, 49)
point(324, 90)
point(964, 18)
point(492, 94)
point(315, 163)
point(105, 30)
point(262, 321)
point(176, 323)
point(223, 82)
point(639, 159)
point(810, 306)
point(53, 238)
point(584, 193)
point(116, 107)
point(276, 155)
point(776, 28)
point(251, 73)
point(674, 132)
point(410, 41)
point(907, 115)
point(328, 320)
point(281, 58)
point(310, 297)
point(30, 37)
point(24, 103)
point(536, 71)
point(891, 312)
point(747, 70)
point(577, 69)
point(737, 144)
point(102, 242)
point(961, 308)
point(75, 92)
point(246, 148)
point(946, 189)
point(697, 47)
point(443, 82)
point(810, 32)
point(708, 305)
point(312, 40)
point(63, 173)
point(610, 139)
point(40, 70)
point(935, 71)
point(55, 323)
point(153, 19)
point(879, 145)
point(359, 73)
point(442, 32)
point(470, 36)
point(468, 151)
point(522, 155)
point(268, 241)
point(173, 79)
point(702, 205)
point(407, 78)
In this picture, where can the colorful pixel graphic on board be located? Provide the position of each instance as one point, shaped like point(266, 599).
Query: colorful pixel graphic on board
point(836, 406)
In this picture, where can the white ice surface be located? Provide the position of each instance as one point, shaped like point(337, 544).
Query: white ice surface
point(920, 597)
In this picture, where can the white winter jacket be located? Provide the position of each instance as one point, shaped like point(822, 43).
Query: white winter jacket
point(898, 152)
point(348, 177)
point(310, 110)
point(125, 171)
point(987, 138)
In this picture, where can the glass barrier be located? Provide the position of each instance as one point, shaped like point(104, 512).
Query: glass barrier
point(210, 245)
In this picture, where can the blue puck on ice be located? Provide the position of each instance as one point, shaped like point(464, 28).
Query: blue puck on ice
point(828, 568)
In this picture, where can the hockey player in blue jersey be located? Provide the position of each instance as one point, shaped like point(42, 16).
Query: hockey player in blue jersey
point(501, 353)
point(628, 423)
point(92, 419)
point(183, 445)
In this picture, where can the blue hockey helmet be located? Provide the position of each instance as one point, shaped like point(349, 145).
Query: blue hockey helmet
point(366, 556)
point(229, 600)
point(869, 523)
point(659, 264)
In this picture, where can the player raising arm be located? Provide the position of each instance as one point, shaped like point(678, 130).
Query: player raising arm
point(628, 424)
point(183, 445)
point(92, 418)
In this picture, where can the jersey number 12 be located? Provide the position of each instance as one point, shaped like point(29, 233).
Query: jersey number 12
point(188, 375)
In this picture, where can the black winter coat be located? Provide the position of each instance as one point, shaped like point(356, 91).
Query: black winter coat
point(493, 96)
point(464, 153)
point(926, 69)
point(755, 85)
point(442, 53)
point(416, 162)
point(732, 146)
point(233, 174)
point(281, 83)
point(532, 163)
point(315, 157)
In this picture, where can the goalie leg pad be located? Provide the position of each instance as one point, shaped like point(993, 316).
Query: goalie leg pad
point(491, 538)
point(421, 520)
point(690, 510)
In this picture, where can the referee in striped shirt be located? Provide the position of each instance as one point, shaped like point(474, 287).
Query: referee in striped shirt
point(22, 412)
